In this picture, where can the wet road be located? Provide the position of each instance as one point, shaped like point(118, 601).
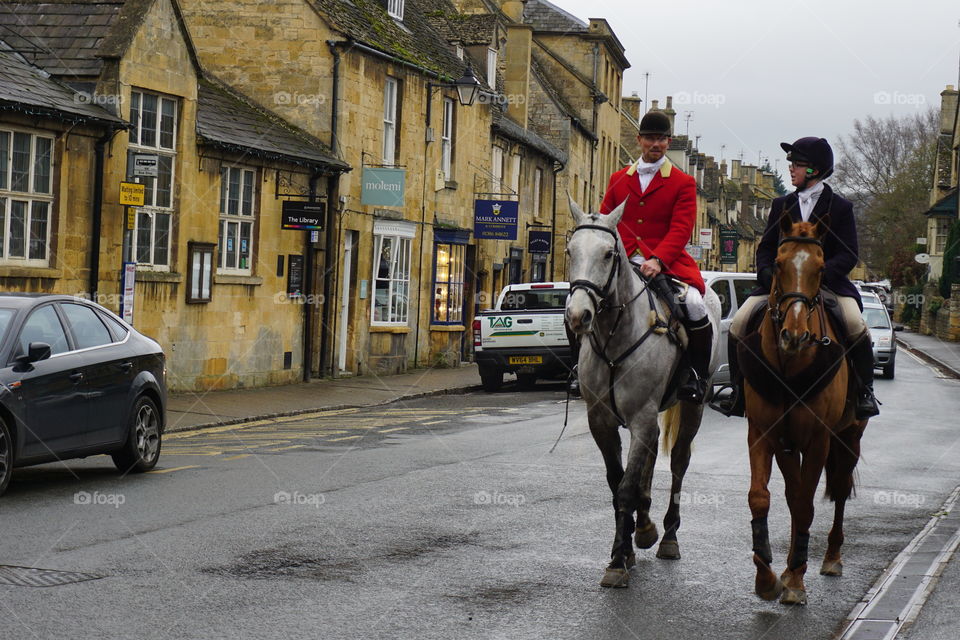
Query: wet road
point(444, 518)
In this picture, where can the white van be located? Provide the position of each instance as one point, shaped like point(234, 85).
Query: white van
point(732, 288)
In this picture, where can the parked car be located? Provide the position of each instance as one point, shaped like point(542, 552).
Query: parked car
point(870, 298)
point(75, 381)
point(523, 334)
point(882, 336)
point(732, 289)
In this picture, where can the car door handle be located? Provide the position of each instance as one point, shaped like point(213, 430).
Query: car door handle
point(525, 321)
point(126, 366)
point(76, 377)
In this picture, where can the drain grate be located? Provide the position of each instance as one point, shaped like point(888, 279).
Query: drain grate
point(32, 577)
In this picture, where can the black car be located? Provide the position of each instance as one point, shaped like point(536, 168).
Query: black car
point(75, 381)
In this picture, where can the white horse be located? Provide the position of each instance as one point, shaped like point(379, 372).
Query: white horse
point(626, 362)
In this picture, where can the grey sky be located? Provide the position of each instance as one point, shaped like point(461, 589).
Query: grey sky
point(757, 73)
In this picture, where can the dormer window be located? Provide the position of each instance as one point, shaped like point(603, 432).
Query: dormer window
point(492, 68)
point(395, 9)
point(460, 52)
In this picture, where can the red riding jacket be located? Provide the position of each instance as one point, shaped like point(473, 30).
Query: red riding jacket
point(658, 222)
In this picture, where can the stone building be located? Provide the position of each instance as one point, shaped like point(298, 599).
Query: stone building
point(942, 213)
point(217, 281)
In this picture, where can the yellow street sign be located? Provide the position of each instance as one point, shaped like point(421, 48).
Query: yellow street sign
point(131, 218)
point(132, 194)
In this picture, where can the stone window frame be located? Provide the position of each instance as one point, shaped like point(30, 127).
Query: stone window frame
point(36, 199)
point(154, 221)
point(244, 216)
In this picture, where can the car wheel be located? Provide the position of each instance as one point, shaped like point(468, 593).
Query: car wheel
point(6, 456)
point(142, 448)
point(888, 371)
point(491, 379)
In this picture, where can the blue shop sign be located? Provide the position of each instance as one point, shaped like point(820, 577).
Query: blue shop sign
point(495, 219)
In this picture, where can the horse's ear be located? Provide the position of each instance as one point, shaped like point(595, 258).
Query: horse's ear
point(822, 226)
point(612, 219)
point(579, 217)
point(786, 223)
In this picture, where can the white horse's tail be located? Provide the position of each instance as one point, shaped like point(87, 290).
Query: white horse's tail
point(669, 421)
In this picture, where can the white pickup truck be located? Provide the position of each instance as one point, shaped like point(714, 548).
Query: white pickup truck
point(523, 334)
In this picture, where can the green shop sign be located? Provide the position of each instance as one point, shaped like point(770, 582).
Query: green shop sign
point(382, 187)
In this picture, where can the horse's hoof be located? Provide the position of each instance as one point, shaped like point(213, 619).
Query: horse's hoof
point(646, 537)
point(832, 568)
point(794, 596)
point(615, 578)
point(771, 593)
point(669, 550)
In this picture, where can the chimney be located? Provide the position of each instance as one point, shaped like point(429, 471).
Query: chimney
point(948, 110)
point(516, 76)
point(723, 168)
point(670, 113)
point(735, 169)
point(655, 105)
point(513, 9)
point(632, 105)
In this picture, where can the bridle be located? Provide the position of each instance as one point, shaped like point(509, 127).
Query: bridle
point(777, 312)
point(598, 294)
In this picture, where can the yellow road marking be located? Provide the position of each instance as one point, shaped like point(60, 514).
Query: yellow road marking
point(242, 455)
point(394, 429)
point(344, 438)
point(177, 452)
point(435, 422)
point(189, 466)
point(293, 446)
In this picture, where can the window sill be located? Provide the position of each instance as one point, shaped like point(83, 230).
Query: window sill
point(158, 276)
point(451, 184)
point(447, 327)
point(13, 271)
point(237, 279)
point(389, 329)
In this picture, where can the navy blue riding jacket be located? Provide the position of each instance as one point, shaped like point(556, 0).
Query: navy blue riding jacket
point(840, 248)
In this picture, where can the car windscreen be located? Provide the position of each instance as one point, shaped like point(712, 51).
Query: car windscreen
point(534, 300)
point(876, 318)
point(6, 315)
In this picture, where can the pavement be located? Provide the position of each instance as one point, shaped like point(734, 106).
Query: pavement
point(200, 409)
point(943, 354)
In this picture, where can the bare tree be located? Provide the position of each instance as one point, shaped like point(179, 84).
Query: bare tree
point(886, 168)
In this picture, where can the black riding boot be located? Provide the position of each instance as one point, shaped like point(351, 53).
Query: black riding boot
point(700, 341)
point(861, 356)
point(733, 404)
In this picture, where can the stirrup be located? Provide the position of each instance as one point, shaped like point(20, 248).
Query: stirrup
point(729, 405)
point(867, 405)
point(694, 389)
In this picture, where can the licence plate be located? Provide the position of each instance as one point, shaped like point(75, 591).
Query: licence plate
point(526, 359)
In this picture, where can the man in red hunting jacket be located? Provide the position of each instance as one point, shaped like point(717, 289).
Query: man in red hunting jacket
point(657, 222)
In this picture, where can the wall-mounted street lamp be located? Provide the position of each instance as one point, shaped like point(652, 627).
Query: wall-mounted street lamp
point(467, 86)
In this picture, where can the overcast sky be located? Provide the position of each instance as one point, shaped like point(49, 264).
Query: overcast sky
point(755, 73)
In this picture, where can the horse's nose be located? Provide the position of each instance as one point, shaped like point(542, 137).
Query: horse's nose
point(579, 322)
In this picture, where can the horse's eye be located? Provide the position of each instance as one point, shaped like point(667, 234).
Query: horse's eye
point(609, 255)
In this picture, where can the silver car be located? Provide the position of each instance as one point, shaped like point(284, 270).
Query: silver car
point(732, 289)
point(882, 334)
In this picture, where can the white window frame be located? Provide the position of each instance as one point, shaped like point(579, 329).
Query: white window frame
point(153, 221)
point(230, 260)
point(30, 198)
point(390, 88)
point(392, 274)
point(446, 139)
point(492, 68)
point(537, 187)
point(496, 170)
point(395, 9)
point(459, 51)
point(941, 234)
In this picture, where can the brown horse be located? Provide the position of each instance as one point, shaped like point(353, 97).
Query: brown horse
point(798, 411)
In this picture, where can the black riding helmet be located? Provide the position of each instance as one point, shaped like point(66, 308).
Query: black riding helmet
point(654, 123)
point(813, 151)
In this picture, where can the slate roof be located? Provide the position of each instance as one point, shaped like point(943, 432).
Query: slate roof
point(63, 38)
point(26, 88)
point(415, 40)
point(503, 125)
point(544, 16)
point(945, 206)
point(228, 120)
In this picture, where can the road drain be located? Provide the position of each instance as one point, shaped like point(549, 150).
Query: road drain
point(32, 577)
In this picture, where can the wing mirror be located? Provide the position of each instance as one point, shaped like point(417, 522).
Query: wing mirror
point(35, 352)
point(898, 327)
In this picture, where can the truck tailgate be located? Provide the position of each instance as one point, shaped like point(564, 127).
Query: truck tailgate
point(524, 329)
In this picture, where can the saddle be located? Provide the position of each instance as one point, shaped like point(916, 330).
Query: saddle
point(669, 291)
point(762, 375)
